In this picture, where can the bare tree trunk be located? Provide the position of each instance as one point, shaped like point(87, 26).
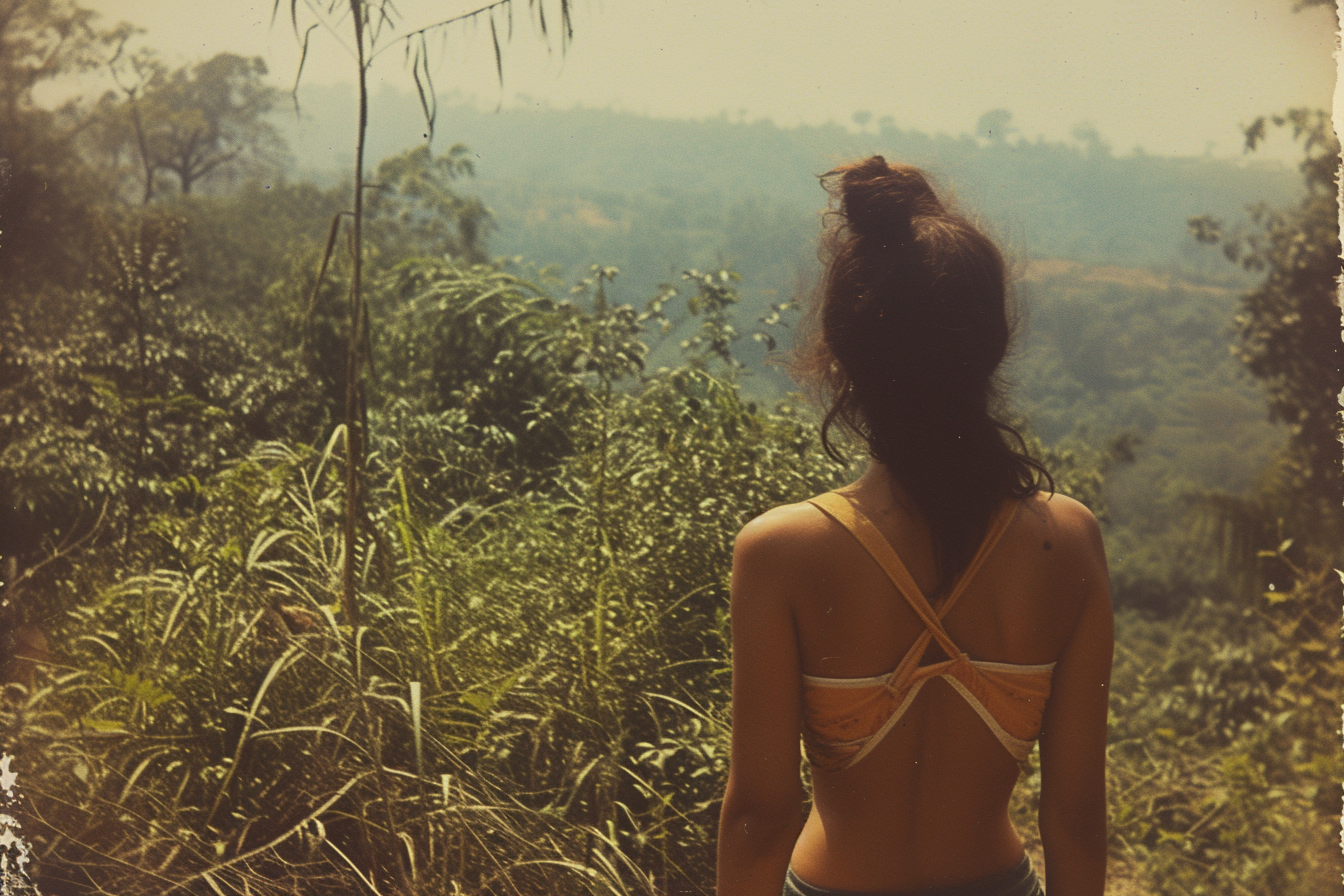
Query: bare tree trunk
point(354, 429)
point(143, 145)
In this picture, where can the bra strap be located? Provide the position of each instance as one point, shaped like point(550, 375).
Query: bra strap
point(843, 511)
point(1000, 525)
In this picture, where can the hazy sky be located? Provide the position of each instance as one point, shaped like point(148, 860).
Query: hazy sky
point(1173, 76)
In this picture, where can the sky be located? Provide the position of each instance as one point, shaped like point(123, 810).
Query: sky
point(1174, 77)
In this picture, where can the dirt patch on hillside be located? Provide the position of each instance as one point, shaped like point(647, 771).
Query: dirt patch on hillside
point(1040, 270)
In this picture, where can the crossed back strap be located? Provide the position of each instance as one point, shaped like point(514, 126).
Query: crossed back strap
point(843, 511)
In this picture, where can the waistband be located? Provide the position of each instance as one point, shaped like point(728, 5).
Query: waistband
point(1020, 880)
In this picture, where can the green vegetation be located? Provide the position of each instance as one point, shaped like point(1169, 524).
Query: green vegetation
point(534, 696)
point(536, 700)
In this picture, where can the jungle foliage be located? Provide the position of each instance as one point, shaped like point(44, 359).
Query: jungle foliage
point(534, 698)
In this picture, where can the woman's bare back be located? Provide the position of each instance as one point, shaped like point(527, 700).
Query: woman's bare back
point(929, 805)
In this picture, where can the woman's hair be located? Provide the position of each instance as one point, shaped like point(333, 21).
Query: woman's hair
point(907, 336)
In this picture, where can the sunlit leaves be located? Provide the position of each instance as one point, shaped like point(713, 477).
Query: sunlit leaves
point(1288, 328)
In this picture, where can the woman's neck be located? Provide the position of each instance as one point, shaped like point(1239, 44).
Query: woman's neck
point(882, 489)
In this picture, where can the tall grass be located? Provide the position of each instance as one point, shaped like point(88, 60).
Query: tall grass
point(535, 703)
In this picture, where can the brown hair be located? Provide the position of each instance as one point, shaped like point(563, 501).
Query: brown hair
point(907, 336)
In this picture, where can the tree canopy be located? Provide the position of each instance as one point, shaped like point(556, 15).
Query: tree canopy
point(195, 123)
point(46, 187)
point(1288, 329)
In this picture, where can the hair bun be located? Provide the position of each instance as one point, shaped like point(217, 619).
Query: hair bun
point(878, 199)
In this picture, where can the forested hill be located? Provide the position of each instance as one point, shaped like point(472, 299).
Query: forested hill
point(1126, 314)
point(584, 186)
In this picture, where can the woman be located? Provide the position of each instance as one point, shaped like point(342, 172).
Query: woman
point(913, 624)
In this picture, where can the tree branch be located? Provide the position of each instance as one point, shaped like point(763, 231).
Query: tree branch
point(422, 32)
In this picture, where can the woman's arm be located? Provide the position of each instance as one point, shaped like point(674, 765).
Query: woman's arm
point(1073, 735)
point(762, 808)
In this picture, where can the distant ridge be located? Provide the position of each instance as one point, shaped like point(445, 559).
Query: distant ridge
point(1040, 270)
point(589, 186)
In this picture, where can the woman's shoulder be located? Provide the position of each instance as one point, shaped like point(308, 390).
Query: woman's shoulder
point(789, 536)
point(1065, 516)
point(775, 556)
point(786, 527)
point(1066, 529)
